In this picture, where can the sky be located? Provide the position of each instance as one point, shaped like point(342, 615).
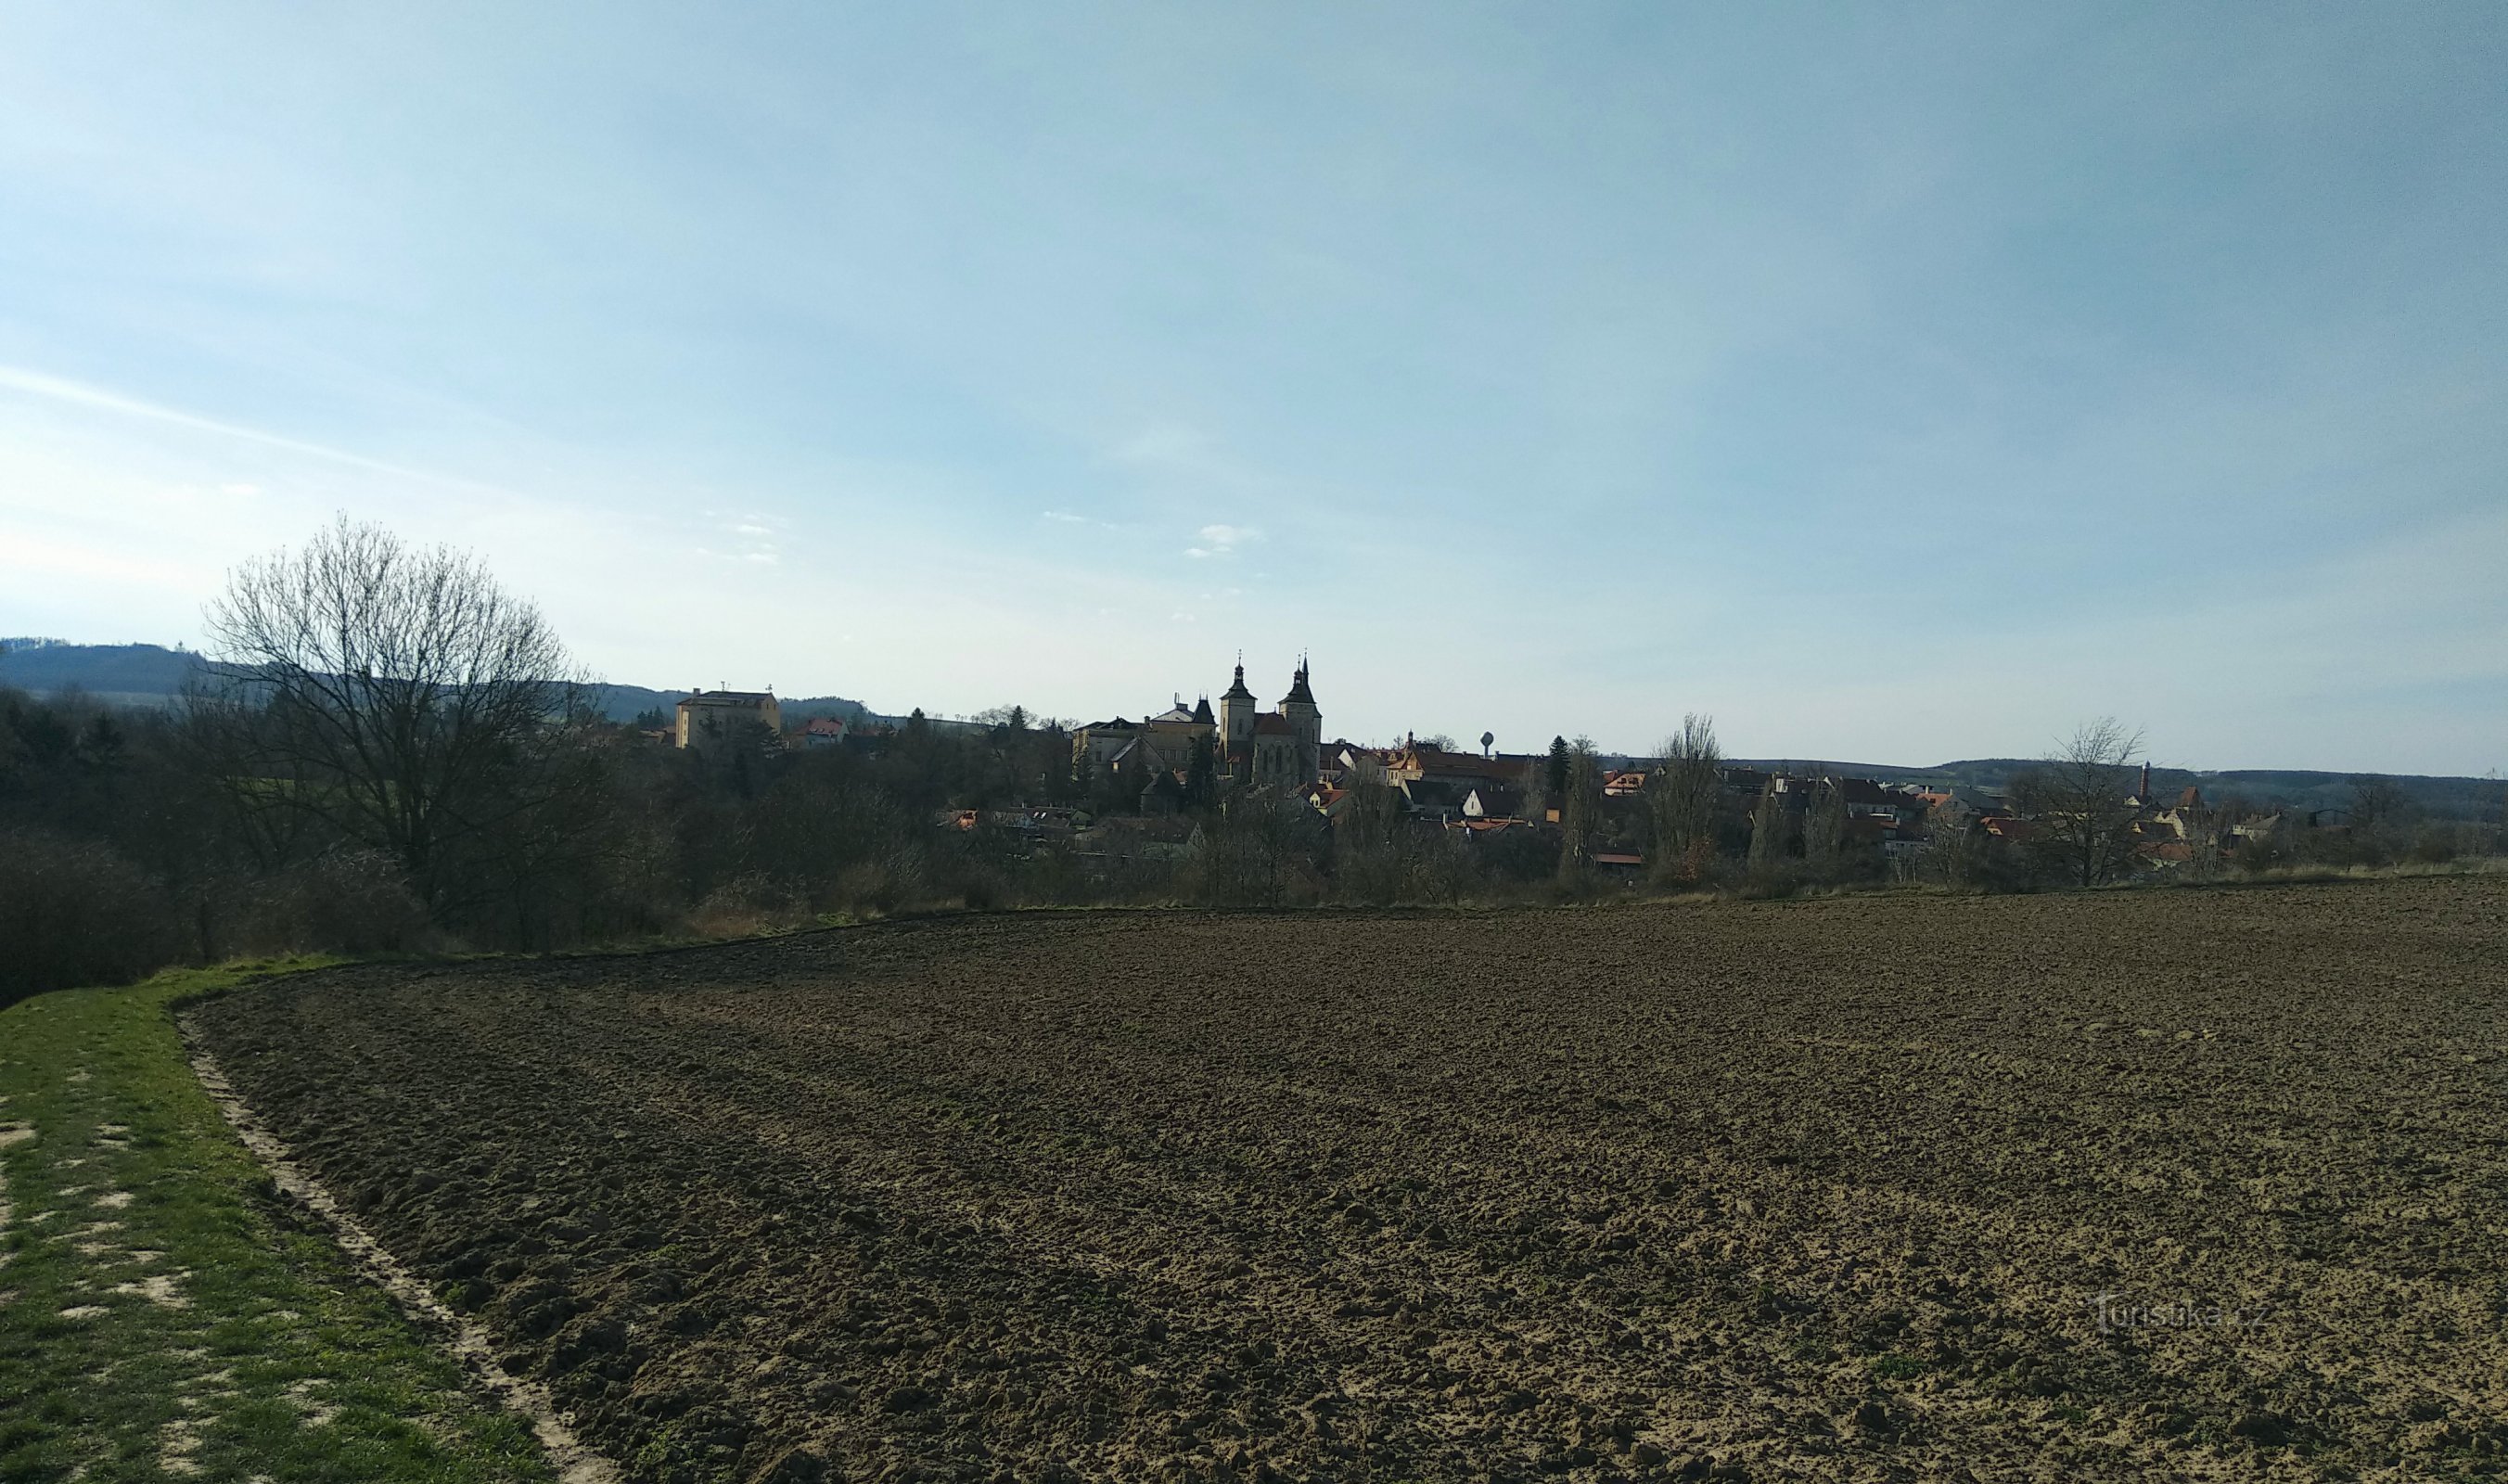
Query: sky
point(1894, 384)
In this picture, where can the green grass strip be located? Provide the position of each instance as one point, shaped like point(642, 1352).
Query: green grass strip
point(163, 1313)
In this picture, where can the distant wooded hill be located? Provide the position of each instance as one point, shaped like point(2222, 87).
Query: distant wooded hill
point(2478, 799)
point(152, 674)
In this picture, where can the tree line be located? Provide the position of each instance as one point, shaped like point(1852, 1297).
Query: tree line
point(392, 752)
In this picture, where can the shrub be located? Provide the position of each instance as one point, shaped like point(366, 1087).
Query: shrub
point(752, 902)
point(1772, 880)
point(348, 901)
point(74, 913)
point(2436, 846)
point(2258, 853)
point(866, 887)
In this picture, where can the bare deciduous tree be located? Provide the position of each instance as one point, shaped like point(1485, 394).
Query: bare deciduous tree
point(1247, 852)
point(2081, 795)
point(1683, 798)
point(398, 696)
point(1581, 809)
point(1375, 845)
point(1768, 843)
point(1950, 842)
point(1824, 829)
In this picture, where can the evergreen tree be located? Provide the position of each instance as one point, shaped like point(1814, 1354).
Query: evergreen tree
point(1556, 776)
point(1201, 775)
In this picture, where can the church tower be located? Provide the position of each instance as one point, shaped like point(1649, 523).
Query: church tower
point(1298, 708)
point(1236, 730)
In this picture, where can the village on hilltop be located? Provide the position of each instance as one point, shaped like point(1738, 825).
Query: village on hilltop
point(1145, 787)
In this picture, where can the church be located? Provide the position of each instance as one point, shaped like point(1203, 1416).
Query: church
point(1247, 746)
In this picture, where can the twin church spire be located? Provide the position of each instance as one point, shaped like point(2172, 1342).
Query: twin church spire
point(1283, 746)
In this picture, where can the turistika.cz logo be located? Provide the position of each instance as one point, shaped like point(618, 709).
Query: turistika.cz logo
point(2117, 1311)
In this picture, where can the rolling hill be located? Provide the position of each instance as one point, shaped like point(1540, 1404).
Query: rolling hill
point(152, 674)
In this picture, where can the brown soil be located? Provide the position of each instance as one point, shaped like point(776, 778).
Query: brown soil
point(1824, 1191)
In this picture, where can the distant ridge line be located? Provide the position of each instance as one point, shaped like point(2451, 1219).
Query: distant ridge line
point(150, 674)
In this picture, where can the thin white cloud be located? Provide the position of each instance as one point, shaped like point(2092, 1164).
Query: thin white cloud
point(757, 538)
point(1172, 452)
point(1168, 446)
point(1223, 540)
point(78, 394)
point(1066, 517)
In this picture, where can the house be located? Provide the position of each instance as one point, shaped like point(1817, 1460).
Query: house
point(1747, 783)
point(824, 731)
point(1493, 800)
point(1618, 863)
point(1095, 746)
point(2009, 828)
point(1624, 784)
point(709, 715)
point(1420, 762)
point(1348, 765)
point(1867, 799)
point(2262, 830)
point(1163, 791)
point(2183, 820)
point(1437, 798)
point(1033, 824)
point(1147, 756)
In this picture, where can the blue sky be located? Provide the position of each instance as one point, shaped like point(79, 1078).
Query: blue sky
point(1896, 384)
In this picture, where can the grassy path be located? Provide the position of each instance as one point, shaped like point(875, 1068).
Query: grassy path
point(162, 1313)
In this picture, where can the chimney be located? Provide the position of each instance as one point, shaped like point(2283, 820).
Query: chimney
point(2145, 795)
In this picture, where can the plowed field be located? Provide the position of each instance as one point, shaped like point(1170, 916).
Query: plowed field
point(2171, 1184)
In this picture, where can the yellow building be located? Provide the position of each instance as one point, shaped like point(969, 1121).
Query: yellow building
point(710, 714)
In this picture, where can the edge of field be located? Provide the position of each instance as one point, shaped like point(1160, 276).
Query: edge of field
point(164, 1310)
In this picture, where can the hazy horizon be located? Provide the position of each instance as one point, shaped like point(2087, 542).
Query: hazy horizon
point(1889, 387)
